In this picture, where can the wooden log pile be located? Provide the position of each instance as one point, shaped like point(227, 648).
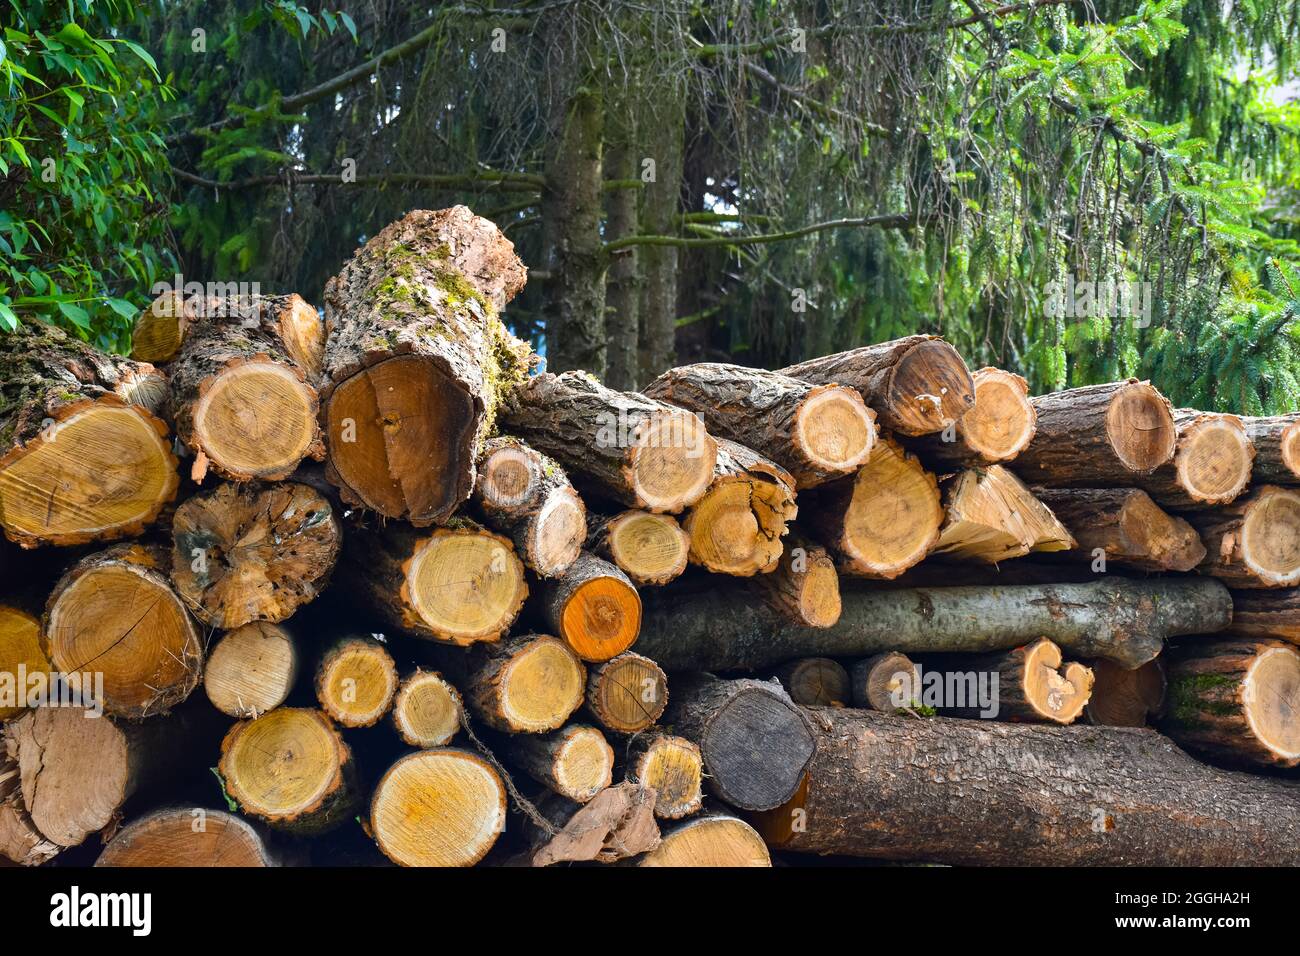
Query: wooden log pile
point(446, 609)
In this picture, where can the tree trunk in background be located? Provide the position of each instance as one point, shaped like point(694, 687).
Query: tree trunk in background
point(623, 284)
point(664, 134)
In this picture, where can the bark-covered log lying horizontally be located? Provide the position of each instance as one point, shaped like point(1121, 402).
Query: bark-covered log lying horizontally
point(1274, 614)
point(917, 385)
point(356, 681)
point(1126, 526)
point(417, 361)
point(805, 586)
point(575, 761)
point(1098, 434)
point(1235, 700)
point(815, 432)
point(643, 453)
point(1018, 795)
point(21, 653)
point(714, 841)
point(627, 693)
point(1123, 697)
point(251, 669)
point(188, 837)
point(1121, 619)
point(529, 683)
point(650, 548)
point(991, 516)
point(1035, 685)
point(1277, 448)
point(84, 455)
point(997, 429)
point(670, 766)
point(594, 608)
point(1255, 541)
point(427, 710)
point(815, 682)
point(1212, 465)
point(885, 682)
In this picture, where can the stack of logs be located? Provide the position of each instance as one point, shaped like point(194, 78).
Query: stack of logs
point(872, 605)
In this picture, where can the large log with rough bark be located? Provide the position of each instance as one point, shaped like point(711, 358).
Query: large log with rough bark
point(1121, 619)
point(417, 361)
point(1125, 526)
point(991, 793)
point(1255, 541)
point(996, 429)
point(84, 453)
point(815, 432)
point(917, 385)
point(188, 837)
point(1277, 448)
point(991, 516)
point(1211, 466)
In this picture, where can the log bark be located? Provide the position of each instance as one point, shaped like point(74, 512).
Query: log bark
point(417, 361)
point(1016, 795)
point(1277, 448)
point(356, 681)
point(1034, 684)
point(1125, 526)
point(815, 432)
point(1274, 614)
point(244, 553)
point(917, 385)
point(593, 608)
point(755, 742)
point(672, 767)
point(428, 710)
point(712, 841)
point(620, 445)
point(188, 837)
point(21, 654)
point(1123, 697)
point(1118, 618)
point(991, 516)
point(997, 429)
point(815, 682)
point(84, 453)
point(627, 693)
point(650, 548)
point(528, 684)
point(575, 761)
point(885, 682)
point(805, 586)
point(251, 670)
point(1255, 541)
point(1211, 466)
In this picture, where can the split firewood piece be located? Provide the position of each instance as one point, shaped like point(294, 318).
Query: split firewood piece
point(997, 429)
point(755, 741)
point(529, 683)
point(160, 327)
point(253, 552)
point(1125, 526)
point(627, 693)
point(291, 769)
point(1274, 614)
point(1236, 700)
point(356, 681)
point(805, 586)
point(460, 584)
point(1099, 435)
point(1123, 697)
point(85, 455)
point(1277, 448)
point(917, 385)
point(1212, 465)
point(242, 392)
point(992, 516)
point(21, 655)
point(441, 807)
point(815, 682)
point(884, 519)
point(617, 824)
point(672, 767)
point(815, 432)
point(418, 361)
point(650, 548)
point(737, 526)
point(188, 837)
point(594, 608)
point(427, 710)
point(575, 761)
point(251, 670)
point(885, 682)
point(115, 613)
point(638, 451)
point(1255, 541)
point(715, 841)
point(526, 495)
point(1034, 685)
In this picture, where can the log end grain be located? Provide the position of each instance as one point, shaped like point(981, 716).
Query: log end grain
point(1003, 421)
point(670, 463)
point(356, 682)
point(737, 526)
point(928, 387)
point(464, 585)
point(627, 693)
point(594, 608)
point(885, 682)
point(251, 670)
point(815, 682)
point(187, 837)
point(530, 684)
point(650, 548)
point(1214, 457)
point(673, 768)
point(21, 653)
point(1050, 689)
point(427, 710)
point(833, 432)
point(581, 763)
point(714, 841)
point(1123, 697)
point(1140, 427)
point(160, 327)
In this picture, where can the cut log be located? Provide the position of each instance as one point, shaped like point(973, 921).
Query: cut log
point(616, 825)
point(526, 495)
point(241, 393)
point(1274, 614)
point(188, 837)
point(251, 670)
point(576, 761)
point(291, 769)
point(627, 693)
point(917, 385)
point(1255, 541)
point(885, 682)
point(115, 614)
point(1026, 795)
point(1099, 435)
point(84, 455)
point(643, 453)
point(755, 741)
point(356, 681)
point(418, 360)
point(670, 766)
point(1277, 448)
point(1123, 697)
point(1034, 685)
point(1236, 700)
point(815, 432)
point(21, 655)
point(427, 710)
point(805, 586)
point(1118, 618)
point(649, 548)
point(160, 327)
point(1125, 526)
point(992, 516)
point(997, 429)
point(815, 682)
point(594, 608)
point(1211, 466)
point(443, 807)
point(461, 584)
point(736, 528)
point(712, 841)
point(525, 684)
point(253, 553)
